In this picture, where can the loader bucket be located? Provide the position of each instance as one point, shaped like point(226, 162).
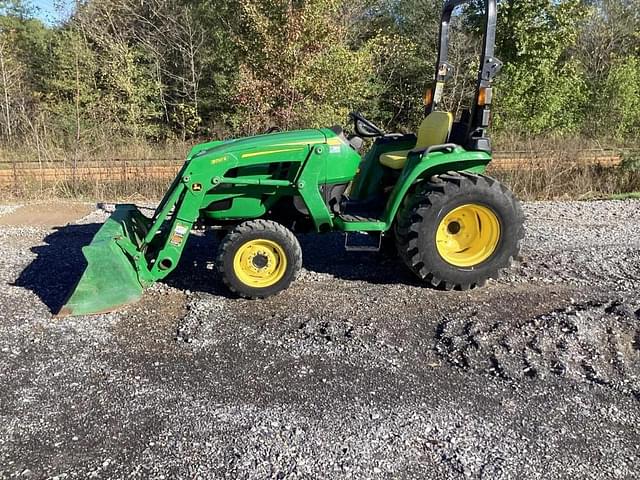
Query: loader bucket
point(110, 279)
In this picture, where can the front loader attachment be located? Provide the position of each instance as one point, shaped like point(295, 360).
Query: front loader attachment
point(131, 251)
point(111, 278)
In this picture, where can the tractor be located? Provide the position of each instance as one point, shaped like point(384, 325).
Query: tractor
point(427, 192)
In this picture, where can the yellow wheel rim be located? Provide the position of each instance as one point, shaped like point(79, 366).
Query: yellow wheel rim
point(260, 263)
point(468, 235)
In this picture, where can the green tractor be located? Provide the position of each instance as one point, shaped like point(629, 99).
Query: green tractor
point(453, 226)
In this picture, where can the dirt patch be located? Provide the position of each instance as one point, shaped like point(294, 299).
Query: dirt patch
point(150, 324)
point(47, 214)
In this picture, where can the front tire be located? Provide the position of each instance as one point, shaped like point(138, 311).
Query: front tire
point(259, 258)
point(459, 229)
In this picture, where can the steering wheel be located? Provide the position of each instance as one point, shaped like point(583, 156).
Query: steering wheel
point(364, 127)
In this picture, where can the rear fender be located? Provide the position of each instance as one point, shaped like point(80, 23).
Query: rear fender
point(423, 165)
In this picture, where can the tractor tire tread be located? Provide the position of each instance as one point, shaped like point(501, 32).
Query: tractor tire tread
point(433, 194)
point(255, 226)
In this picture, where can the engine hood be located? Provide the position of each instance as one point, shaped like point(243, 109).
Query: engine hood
point(259, 142)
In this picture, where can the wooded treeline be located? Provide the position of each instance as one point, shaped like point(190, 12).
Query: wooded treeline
point(121, 71)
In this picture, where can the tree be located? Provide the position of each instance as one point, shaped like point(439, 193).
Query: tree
point(11, 83)
point(170, 31)
point(617, 105)
point(541, 88)
point(611, 31)
point(297, 67)
point(72, 96)
point(22, 41)
point(157, 69)
point(130, 91)
point(608, 47)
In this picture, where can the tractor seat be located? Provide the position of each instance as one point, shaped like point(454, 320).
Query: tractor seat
point(434, 130)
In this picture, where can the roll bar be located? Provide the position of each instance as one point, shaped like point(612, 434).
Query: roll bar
point(489, 68)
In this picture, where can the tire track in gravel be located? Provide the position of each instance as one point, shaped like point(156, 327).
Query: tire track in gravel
point(593, 341)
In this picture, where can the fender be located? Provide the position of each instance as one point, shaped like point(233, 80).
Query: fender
point(426, 163)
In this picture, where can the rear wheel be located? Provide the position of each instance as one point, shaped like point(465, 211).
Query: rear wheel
point(459, 229)
point(259, 258)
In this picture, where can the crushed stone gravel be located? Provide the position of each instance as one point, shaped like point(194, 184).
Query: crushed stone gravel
point(7, 209)
point(357, 371)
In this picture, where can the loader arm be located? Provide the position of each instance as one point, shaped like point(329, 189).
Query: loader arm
point(132, 251)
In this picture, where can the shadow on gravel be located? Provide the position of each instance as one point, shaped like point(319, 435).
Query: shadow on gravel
point(195, 271)
point(58, 265)
point(321, 254)
point(326, 254)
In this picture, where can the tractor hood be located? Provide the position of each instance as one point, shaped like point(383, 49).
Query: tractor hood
point(259, 142)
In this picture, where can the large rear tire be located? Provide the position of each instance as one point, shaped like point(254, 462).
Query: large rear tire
point(259, 258)
point(459, 229)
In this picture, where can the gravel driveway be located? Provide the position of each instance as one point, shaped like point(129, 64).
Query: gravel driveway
point(355, 372)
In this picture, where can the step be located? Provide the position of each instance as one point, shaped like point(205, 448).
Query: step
point(369, 242)
point(356, 223)
point(357, 218)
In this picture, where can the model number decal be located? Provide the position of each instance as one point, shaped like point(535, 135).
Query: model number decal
point(178, 235)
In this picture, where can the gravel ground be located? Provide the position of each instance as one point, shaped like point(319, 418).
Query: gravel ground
point(355, 372)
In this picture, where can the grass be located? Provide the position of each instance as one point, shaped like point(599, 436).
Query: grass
point(558, 182)
point(625, 196)
point(119, 172)
point(543, 169)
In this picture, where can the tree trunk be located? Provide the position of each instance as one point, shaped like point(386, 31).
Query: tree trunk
point(6, 106)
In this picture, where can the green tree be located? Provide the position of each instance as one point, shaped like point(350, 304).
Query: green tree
point(617, 105)
point(406, 32)
point(125, 76)
point(23, 47)
point(125, 69)
point(542, 87)
point(132, 91)
point(11, 84)
point(220, 57)
point(71, 94)
point(608, 48)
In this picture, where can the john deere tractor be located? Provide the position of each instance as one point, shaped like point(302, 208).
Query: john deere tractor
point(452, 225)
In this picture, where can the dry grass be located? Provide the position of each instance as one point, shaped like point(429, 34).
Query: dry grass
point(44, 155)
point(129, 191)
point(555, 182)
point(561, 168)
point(118, 173)
point(536, 169)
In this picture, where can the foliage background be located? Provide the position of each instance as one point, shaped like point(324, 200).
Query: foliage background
point(123, 72)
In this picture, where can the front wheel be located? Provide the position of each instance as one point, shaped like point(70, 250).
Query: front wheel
point(459, 229)
point(259, 258)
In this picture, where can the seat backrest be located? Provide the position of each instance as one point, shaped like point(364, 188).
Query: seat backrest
point(434, 130)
